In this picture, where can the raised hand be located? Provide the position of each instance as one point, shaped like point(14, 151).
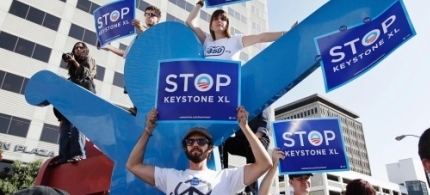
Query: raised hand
point(151, 120)
point(294, 25)
point(242, 116)
point(277, 155)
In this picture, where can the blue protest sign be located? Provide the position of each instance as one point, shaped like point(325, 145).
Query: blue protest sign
point(310, 145)
point(198, 89)
point(219, 3)
point(113, 20)
point(351, 51)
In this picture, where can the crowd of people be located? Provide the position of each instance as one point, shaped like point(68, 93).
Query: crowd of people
point(250, 141)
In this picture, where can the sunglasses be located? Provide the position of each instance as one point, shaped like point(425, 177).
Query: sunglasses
point(150, 14)
point(79, 47)
point(200, 141)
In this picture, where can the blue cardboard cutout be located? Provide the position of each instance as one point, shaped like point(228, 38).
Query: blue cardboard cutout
point(265, 78)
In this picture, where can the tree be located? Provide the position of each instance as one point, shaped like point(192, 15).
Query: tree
point(23, 176)
point(1, 151)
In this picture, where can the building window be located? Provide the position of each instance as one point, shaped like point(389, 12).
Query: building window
point(50, 134)
point(205, 16)
point(18, 126)
point(8, 41)
point(122, 47)
point(142, 5)
point(183, 4)
point(12, 82)
point(118, 80)
point(237, 15)
point(170, 17)
point(83, 34)
point(24, 47)
point(87, 6)
point(4, 123)
point(34, 15)
point(19, 9)
point(41, 53)
point(332, 177)
point(100, 72)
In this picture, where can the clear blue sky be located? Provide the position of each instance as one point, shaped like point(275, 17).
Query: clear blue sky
point(392, 99)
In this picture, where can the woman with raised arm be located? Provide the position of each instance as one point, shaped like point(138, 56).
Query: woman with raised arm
point(221, 44)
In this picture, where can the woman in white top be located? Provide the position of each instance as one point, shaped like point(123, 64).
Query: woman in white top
point(222, 45)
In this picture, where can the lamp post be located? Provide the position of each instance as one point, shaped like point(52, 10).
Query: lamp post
point(400, 137)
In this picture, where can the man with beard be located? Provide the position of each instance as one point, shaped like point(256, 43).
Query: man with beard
point(152, 17)
point(198, 144)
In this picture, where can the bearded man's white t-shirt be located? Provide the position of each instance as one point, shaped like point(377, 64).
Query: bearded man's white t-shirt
point(225, 48)
point(175, 182)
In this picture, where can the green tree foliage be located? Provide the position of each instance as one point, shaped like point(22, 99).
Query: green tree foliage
point(1, 150)
point(21, 176)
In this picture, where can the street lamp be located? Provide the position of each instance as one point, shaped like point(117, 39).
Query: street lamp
point(400, 137)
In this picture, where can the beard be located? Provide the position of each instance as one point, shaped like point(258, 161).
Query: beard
point(197, 158)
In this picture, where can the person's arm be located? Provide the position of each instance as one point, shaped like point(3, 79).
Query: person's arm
point(267, 182)
point(262, 160)
point(193, 14)
point(93, 68)
point(263, 37)
point(135, 162)
point(117, 51)
point(71, 59)
point(263, 120)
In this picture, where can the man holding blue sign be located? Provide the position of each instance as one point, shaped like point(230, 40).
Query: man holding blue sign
point(152, 17)
point(198, 144)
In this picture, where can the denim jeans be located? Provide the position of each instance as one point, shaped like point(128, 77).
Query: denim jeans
point(72, 142)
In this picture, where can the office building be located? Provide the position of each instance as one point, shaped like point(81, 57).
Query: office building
point(410, 174)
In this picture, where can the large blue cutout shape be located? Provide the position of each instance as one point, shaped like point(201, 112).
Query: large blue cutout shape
point(265, 78)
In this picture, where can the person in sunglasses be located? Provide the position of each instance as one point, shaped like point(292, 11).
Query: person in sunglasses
point(198, 179)
point(152, 17)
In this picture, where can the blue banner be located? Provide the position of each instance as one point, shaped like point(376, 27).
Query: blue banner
point(113, 21)
point(219, 3)
point(310, 145)
point(198, 89)
point(351, 51)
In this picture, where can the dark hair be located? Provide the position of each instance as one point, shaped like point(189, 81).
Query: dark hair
point(217, 13)
point(79, 58)
point(424, 145)
point(359, 187)
point(155, 9)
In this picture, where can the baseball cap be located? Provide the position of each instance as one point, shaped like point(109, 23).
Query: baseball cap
point(292, 176)
point(199, 130)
